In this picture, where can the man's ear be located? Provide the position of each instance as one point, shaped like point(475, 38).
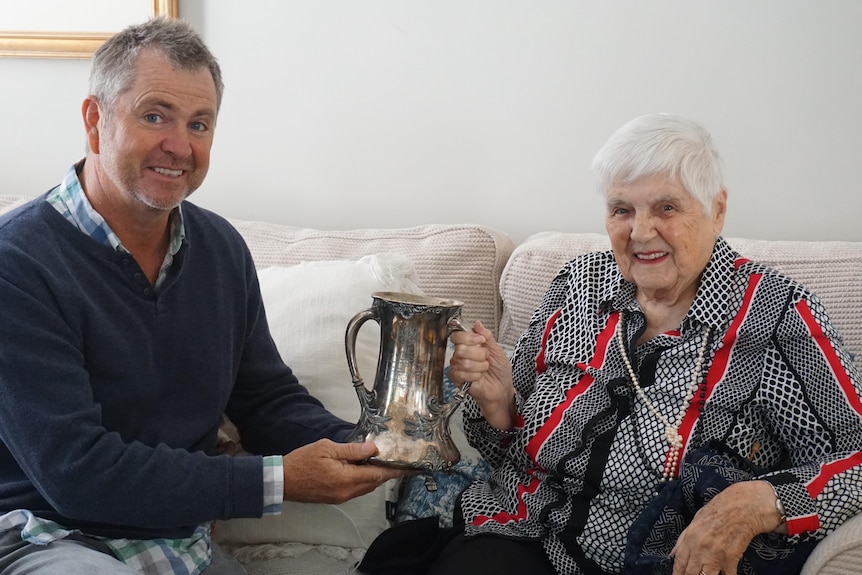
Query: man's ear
point(91, 113)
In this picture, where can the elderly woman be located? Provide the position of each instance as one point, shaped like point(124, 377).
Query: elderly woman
point(669, 396)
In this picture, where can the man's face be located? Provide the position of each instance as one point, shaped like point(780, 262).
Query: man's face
point(154, 145)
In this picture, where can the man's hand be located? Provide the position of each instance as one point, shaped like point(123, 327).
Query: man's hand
point(329, 472)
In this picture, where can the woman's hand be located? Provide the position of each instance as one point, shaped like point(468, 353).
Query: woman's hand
point(723, 528)
point(479, 359)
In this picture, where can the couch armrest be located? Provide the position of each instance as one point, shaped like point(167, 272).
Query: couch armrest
point(840, 553)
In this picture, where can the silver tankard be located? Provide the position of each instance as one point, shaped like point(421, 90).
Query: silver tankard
point(405, 414)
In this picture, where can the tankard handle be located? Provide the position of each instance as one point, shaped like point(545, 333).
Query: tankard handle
point(455, 324)
point(350, 343)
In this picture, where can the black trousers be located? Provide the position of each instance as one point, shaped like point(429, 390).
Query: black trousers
point(491, 555)
point(421, 547)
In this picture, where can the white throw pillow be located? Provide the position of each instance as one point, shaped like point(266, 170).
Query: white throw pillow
point(308, 307)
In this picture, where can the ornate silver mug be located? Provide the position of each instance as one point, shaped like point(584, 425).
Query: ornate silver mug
point(405, 413)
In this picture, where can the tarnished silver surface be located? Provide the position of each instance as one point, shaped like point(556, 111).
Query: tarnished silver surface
point(405, 413)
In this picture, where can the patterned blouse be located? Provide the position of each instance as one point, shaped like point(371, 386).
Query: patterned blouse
point(587, 454)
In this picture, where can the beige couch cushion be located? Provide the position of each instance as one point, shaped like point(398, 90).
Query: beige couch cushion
point(529, 272)
point(11, 202)
point(462, 262)
point(832, 270)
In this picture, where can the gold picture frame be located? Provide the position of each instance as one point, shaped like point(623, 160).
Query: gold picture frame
point(78, 45)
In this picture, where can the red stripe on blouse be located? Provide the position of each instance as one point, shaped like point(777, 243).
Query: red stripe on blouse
point(718, 369)
point(803, 524)
point(838, 371)
point(540, 357)
point(521, 509)
point(833, 468)
point(603, 342)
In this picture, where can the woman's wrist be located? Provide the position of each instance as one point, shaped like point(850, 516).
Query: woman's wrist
point(501, 414)
point(780, 512)
point(779, 507)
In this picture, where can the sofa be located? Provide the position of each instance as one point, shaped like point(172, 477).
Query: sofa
point(314, 281)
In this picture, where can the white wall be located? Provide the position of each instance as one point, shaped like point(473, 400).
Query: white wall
point(359, 113)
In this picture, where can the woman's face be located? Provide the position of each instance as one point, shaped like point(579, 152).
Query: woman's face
point(661, 236)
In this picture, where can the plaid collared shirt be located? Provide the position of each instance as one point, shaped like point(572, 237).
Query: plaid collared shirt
point(187, 556)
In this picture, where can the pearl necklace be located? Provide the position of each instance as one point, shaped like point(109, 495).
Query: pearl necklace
point(671, 430)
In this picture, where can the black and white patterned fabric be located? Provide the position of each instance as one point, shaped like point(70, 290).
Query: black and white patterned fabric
point(587, 456)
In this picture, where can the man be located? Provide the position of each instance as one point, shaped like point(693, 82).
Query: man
point(132, 321)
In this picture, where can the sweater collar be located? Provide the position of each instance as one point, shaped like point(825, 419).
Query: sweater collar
point(70, 200)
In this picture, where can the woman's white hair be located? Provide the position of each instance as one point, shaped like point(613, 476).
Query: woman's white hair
point(662, 144)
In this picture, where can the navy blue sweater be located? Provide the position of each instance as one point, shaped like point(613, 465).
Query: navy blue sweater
point(111, 395)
